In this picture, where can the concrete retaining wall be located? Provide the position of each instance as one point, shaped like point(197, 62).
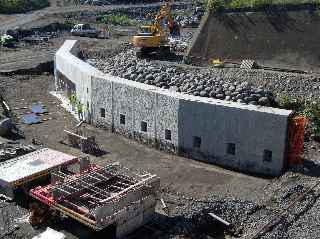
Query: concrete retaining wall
point(244, 137)
point(274, 38)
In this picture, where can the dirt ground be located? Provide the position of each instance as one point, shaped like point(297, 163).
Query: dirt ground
point(21, 20)
point(26, 56)
point(178, 175)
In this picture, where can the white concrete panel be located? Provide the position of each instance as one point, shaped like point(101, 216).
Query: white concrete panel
point(123, 104)
point(102, 99)
point(144, 103)
point(167, 116)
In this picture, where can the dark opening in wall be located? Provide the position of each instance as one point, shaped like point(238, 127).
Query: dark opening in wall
point(167, 134)
point(122, 119)
point(102, 112)
point(144, 126)
point(196, 142)
point(231, 148)
point(267, 155)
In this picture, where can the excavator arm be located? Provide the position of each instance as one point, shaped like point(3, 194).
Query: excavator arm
point(154, 38)
point(166, 12)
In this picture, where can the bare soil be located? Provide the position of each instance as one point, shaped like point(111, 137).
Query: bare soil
point(178, 175)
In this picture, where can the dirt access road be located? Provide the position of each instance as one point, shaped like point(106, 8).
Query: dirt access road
point(16, 20)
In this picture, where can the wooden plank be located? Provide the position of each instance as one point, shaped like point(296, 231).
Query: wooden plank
point(73, 134)
point(219, 219)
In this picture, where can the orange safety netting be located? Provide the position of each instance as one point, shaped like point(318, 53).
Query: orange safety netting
point(297, 127)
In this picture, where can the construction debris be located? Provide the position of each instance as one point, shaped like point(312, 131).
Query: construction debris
point(248, 64)
point(219, 219)
point(9, 150)
point(164, 207)
point(80, 123)
point(86, 144)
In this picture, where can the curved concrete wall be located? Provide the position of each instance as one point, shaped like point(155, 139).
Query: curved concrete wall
point(244, 137)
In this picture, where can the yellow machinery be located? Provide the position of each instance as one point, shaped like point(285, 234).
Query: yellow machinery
point(217, 63)
point(154, 38)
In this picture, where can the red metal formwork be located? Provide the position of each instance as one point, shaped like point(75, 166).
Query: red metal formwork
point(297, 127)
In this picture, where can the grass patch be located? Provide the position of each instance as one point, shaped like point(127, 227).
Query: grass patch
point(19, 6)
point(117, 19)
point(311, 110)
point(216, 5)
point(289, 102)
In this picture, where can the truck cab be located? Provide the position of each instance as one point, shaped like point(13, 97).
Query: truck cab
point(84, 30)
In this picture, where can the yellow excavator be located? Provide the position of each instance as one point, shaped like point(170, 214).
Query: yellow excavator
point(155, 38)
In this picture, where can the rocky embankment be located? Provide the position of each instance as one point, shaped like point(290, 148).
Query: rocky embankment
point(258, 87)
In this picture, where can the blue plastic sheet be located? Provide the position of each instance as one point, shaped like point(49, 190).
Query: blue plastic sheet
point(38, 109)
point(31, 119)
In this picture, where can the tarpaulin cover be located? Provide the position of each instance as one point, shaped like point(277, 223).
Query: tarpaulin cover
point(38, 109)
point(31, 119)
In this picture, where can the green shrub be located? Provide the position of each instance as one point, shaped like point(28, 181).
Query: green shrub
point(290, 103)
point(19, 6)
point(311, 110)
point(117, 19)
point(214, 5)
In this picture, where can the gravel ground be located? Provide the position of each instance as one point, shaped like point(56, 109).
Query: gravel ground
point(189, 216)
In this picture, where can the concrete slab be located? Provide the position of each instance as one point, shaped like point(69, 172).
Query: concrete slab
point(24, 167)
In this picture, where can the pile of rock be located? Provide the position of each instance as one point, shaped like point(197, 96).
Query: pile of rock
point(300, 221)
point(186, 14)
point(188, 80)
point(188, 21)
point(180, 44)
point(13, 150)
point(190, 217)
